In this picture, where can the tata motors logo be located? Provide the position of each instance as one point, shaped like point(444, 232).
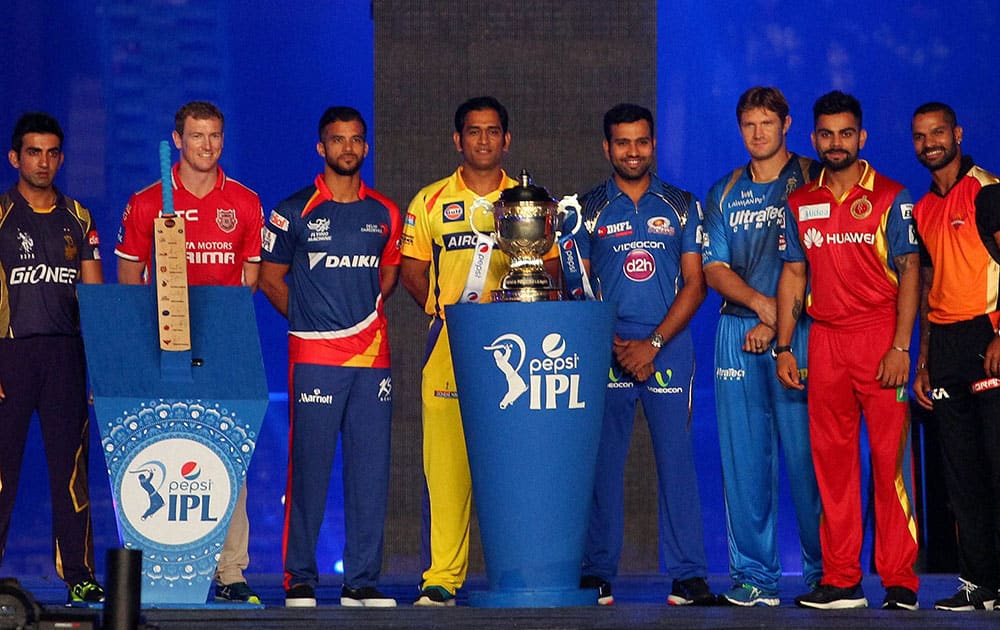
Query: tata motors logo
point(639, 265)
point(553, 381)
point(175, 491)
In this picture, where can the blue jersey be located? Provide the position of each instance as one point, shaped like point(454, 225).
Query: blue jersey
point(635, 250)
point(334, 251)
point(744, 222)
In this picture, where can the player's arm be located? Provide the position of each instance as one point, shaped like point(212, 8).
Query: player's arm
point(130, 271)
point(731, 286)
point(387, 278)
point(415, 278)
point(274, 285)
point(894, 368)
point(922, 380)
point(91, 272)
point(251, 274)
point(790, 307)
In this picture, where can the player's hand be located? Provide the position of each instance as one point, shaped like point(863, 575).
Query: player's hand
point(991, 358)
point(921, 387)
point(758, 339)
point(635, 356)
point(3, 396)
point(767, 310)
point(893, 369)
point(643, 373)
point(788, 371)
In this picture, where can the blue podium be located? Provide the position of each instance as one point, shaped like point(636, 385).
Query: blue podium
point(178, 429)
point(531, 380)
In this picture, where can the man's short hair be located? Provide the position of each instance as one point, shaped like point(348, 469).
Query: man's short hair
point(937, 106)
point(341, 113)
point(479, 103)
point(199, 110)
point(34, 122)
point(769, 98)
point(626, 113)
point(836, 102)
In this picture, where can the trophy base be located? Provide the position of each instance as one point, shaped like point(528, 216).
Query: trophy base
point(526, 294)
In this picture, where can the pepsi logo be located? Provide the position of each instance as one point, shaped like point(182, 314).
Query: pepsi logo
point(190, 470)
point(484, 248)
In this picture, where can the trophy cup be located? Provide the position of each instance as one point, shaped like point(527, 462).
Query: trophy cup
point(527, 222)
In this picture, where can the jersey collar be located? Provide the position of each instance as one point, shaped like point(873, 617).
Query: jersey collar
point(867, 180)
point(175, 177)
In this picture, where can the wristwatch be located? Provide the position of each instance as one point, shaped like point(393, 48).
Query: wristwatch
point(776, 350)
point(656, 340)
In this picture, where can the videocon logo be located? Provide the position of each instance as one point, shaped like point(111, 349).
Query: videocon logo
point(615, 379)
point(663, 379)
point(659, 377)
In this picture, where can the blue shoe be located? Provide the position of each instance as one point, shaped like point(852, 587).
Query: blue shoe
point(750, 595)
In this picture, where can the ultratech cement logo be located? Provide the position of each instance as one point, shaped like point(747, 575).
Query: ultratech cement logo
point(553, 381)
point(729, 374)
point(175, 491)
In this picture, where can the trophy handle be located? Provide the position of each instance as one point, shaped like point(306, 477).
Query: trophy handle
point(480, 204)
point(567, 205)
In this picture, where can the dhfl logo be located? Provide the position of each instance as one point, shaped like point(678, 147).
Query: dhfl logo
point(622, 228)
point(454, 212)
point(639, 265)
point(190, 471)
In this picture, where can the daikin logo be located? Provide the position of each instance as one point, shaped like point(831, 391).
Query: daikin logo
point(553, 381)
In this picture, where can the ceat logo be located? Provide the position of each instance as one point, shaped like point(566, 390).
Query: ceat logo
point(812, 238)
point(190, 471)
point(453, 212)
point(639, 265)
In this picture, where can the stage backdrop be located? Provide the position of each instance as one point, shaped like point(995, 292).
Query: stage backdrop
point(114, 71)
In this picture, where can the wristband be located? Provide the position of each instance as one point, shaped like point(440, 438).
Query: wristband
point(903, 350)
point(778, 350)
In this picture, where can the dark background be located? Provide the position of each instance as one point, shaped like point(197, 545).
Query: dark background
point(114, 71)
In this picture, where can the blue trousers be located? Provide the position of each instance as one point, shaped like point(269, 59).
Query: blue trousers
point(666, 401)
point(357, 404)
point(755, 415)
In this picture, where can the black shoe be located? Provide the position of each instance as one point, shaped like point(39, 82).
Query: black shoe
point(300, 596)
point(900, 598)
point(829, 597)
point(603, 588)
point(86, 592)
point(367, 596)
point(236, 592)
point(691, 592)
point(435, 596)
point(968, 597)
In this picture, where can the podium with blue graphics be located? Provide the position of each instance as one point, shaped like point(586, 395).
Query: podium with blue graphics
point(531, 380)
point(177, 428)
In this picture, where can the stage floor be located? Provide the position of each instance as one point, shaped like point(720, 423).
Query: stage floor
point(640, 603)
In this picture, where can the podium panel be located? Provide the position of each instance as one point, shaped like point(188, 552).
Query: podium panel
point(531, 381)
point(178, 429)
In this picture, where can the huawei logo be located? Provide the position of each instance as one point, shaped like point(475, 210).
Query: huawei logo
point(813, 238)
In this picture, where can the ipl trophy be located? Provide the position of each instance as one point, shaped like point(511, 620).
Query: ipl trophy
point(527, 222)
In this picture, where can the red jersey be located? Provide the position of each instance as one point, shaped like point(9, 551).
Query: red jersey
point(223, 228)
point(966, 277)
point(850, 244)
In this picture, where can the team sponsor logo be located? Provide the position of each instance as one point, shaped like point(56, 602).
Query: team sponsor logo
point(459, 240)
point(983, 385)
point(569, 259)
point(553, 381)
point(659, 225)
point(385, 389)
point(315, 397)
point(174, 491)
point(26, 244)
point(92, 239)
point(278, 221)
point(410, 219)
point(210, 253)
point(375, 228)
point(70, 250)
point(847, 238)
point(225, 218)
point(901, 394)
point(699, 235)
point(782, 243)
point(940, 393)
point(663, 386)
point(445, 393)
point(912, 235)
point(747, 219)
point(729, 374)
point(615, 379)
point(706, 241)
point(346, 261)
point(814, 211)
point(639, 265)
point(861, 208)
point(320, 230)
point(267, 240)
point(746, 198)
point(812, 238)
point(622, 228)
point(906, 211)
point(188, 214)
point(41, 274)
point(406, 239)
point(454, 211)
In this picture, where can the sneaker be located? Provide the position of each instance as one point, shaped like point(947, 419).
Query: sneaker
point(829, 597)
point(435, 596)
point(236, 592)
point(367, 596)
point(749, 595)
point(86, 592)
point(603, 588)
point(968, 597)
point(692, 591)
point(300, 596)
point(900, 598)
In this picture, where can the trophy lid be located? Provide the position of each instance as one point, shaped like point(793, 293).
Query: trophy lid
point(525, 191)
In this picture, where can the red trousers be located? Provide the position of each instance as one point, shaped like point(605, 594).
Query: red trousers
point(842, 387)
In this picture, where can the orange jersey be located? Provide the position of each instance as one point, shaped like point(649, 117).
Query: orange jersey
point(966, 277)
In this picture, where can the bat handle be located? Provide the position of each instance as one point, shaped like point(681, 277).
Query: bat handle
point(168, 188)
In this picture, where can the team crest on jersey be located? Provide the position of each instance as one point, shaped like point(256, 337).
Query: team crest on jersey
point(791, 185)
point(27, 244)
point(861, 209)
point(906, 211)
point(454, 211)
point(659, 225)
point(225, 218)
point(320, 229)
point(70, 249)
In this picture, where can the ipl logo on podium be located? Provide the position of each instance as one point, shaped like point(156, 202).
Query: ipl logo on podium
point(553, 380)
